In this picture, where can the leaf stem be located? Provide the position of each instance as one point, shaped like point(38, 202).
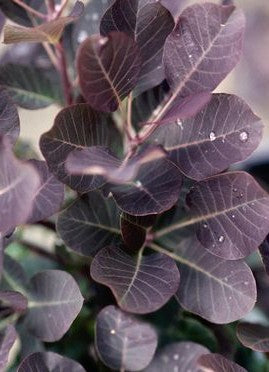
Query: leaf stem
point(67, 86)
point(61, 9)
point(30, 9)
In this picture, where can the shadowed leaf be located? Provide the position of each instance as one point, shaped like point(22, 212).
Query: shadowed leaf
point(29, 87)
point(54, 301)
point(9, 118)
point(180, 357)
point(50, 31)
point(49, 196)
point(149, 24)
point(120, 339)
point(230, 214)
point(254, 336)
point(14, 277)
point(217, 363)
point(218, 290)
point(18, 14)
point(76, 127)
point(7, 338)
point(264, 251)
point(224, 132)
point(49, 362)
point(89, 224)
point(154, 190)
point(174, 6)
point(141, 284)
point(99, 160)
point(108, 69)
point(18, 184)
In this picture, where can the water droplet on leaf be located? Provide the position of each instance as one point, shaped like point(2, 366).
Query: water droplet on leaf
point(243, 136)
point(212, 136)
point(221, 239)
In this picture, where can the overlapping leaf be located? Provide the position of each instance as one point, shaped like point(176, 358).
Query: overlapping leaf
point(54, 301)
point(180, 357)
point(98, 160)
point(50, 31)
point(89, 224)
point(141, 284)
point(18, 14)
point(254, 336)
point(108, 69)
point(174, 6)
point(7, 338)
point(11, 301)
point(14, 277)
point(76, 127)
point(224, 132)
point(149, 24)
point(9, 118)
point(18, 184)
point(49, 196)
point(218, 363)
point(154, 190)
point(230, 214)
point(120, 339)
point(29, 87)
point(49, 362)
point(218, 290)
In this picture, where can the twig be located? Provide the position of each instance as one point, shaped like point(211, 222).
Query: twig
point(61, 9)
point(67, 86)
point(51, 55)
point(29, 9)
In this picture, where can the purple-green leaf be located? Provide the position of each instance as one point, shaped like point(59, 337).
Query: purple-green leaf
point(19, 182)
point(217, 363)
point(108, 69)
point(141, 284)
point(254, 336)
point(154, 190)
point(49, 362)
point(9, 118)
point(149, 24)
point(224, 132)
point(89, 224)
point(123, 342)
point(76, 127)
point(7, 338)
point(180, 357)
point(232, 286)
point(54, 301)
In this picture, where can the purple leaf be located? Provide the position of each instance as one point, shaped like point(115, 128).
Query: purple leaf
point(7, 339)
point(174, 6)
point(180, 357)
point(232, 286)
point(89, 224)
point(254, 336)
point(13, 301)
point(54, 301)
point(230, 214)
point(149, 24)
point(49, 196)
point(141, 284)
point(76, 127)
point(154, 190)
point(224, 132)
point(197, 58)
point(108, 69)
point(120, 339)
point(18, 184)
point(134, 230)
point(18, 14)
point(217, 363)
point(98, 160)
point(49, 362)
point(9, 118)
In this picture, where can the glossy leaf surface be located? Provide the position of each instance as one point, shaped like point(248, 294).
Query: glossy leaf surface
point(108, 69)
point(54, 301)
point(89, 224)
point(120, 338)
point(9, 118)
point(18, 184)
point(180, 357)
point(149, 24)
point(224, 132)
point(141, 284)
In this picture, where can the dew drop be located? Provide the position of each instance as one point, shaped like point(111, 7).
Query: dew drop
point(190, 56)
point(179, 123)
point(82, 36)
point(205, 225)
point(222, 24)
point(176, 356)
point(103, 41)
point(212, 136)
point(138, 183)
point(235, 189)
point(221, 239)
point(243, 136)
point(233, 216)
point(112, 331)
point(246, 283)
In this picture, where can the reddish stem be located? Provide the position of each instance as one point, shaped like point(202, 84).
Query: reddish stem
point(67, 86)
